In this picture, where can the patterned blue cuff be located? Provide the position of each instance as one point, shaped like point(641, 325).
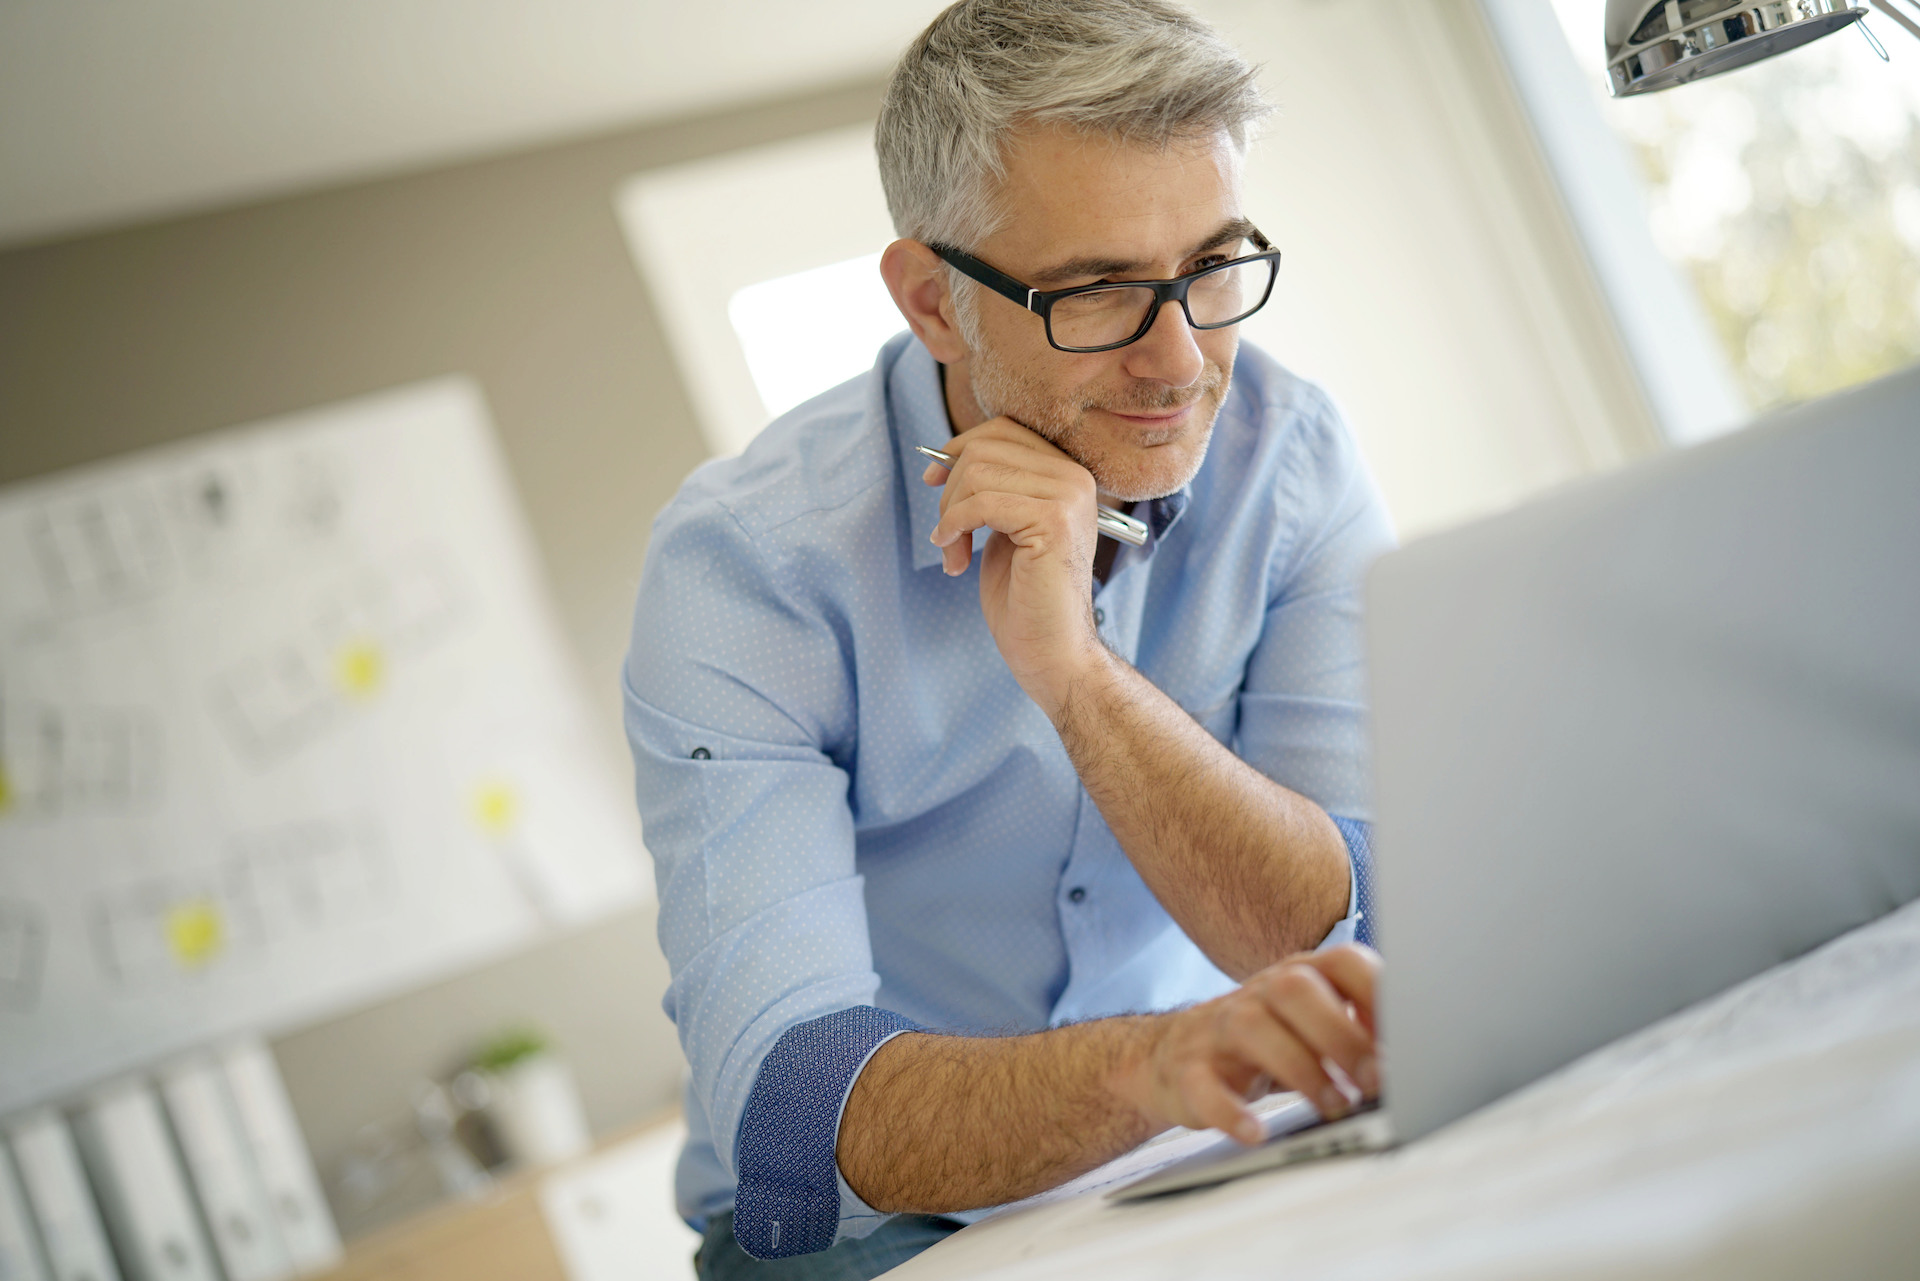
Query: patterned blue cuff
point(1359, 839)
point(788, 1199)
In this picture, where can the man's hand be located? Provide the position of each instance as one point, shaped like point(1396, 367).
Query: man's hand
point(1278, 1030)
point(936, 1124)
point(1036, 575)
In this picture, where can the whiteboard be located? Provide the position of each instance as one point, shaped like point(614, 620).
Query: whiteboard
point(286, 725)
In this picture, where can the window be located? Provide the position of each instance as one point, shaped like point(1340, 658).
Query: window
point(812, 330)
point(763, 266)
point(1788, 195)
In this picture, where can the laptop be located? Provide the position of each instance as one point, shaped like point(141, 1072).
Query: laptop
point(1633, 743)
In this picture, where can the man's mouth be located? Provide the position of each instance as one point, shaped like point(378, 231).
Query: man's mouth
point(1156, 426)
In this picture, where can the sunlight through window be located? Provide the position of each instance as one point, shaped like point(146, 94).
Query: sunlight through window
point(1789, 194)
point(813, 330)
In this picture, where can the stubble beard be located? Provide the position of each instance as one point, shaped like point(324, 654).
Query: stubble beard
point(1121, 472)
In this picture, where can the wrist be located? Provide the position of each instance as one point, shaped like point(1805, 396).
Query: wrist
point(1130, 1073)
point(1076, 681)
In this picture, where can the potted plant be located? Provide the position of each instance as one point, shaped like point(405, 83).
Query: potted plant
point(532, 1101)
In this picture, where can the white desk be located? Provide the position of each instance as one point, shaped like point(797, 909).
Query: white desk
point(1773, 1131)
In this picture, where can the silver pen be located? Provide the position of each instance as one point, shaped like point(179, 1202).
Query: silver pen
point(1112, 523)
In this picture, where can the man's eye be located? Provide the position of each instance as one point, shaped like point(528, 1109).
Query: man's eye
point(1211, 260)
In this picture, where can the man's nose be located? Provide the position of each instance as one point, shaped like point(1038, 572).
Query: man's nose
point(1167, 352)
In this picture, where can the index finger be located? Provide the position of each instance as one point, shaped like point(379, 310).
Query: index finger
point(1354, 971)
point(1008, 429)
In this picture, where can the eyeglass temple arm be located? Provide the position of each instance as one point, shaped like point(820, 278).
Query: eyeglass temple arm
point(998, 281)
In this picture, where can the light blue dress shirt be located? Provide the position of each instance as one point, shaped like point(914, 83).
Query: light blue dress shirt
point(861, 824)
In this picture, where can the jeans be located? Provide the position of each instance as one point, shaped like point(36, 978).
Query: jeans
point(891, 1244)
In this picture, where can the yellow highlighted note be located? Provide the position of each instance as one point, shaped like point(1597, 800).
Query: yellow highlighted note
point(6, 789)
point(496, 807)
point(195, 932)
point(360, 668)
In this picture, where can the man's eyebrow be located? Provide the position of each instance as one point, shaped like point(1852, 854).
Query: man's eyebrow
point(1230, 231)
point(1083, 267)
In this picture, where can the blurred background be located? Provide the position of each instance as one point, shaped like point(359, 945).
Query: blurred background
point(617, 237)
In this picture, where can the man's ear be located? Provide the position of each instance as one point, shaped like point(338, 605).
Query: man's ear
point(917, 279)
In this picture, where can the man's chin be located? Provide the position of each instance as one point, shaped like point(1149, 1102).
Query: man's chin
point(1140, 480)
point(1137, 472)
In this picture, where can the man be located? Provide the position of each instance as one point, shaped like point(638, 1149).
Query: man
point(971, 881)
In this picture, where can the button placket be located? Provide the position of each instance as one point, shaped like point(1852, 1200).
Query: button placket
point(1083, 923)
point(1117, 606)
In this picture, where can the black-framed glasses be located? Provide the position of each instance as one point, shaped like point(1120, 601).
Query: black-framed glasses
point(1112, 314)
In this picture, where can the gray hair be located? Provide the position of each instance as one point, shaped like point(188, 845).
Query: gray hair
point(1144, 71)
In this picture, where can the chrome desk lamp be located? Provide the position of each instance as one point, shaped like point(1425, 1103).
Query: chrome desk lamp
point(1656, 44)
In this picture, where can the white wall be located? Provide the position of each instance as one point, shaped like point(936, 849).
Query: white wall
point(113, 112)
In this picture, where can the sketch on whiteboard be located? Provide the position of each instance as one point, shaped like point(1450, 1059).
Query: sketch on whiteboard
point(169, 927)
point(206, 505)
point(23, 954)
point(65, 761)
point(278, 700)
point(286, 726)
point(314, 875)
point(313, 503)
point(100, 549)
point(277, 885)
point(105, 546)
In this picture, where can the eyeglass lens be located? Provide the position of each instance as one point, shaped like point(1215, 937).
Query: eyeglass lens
point(1106, 316)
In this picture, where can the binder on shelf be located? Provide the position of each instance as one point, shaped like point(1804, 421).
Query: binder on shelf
point(280, 1155)
point(143, 1192)
point(222, 1167)
point(19, 1244)
point(57, 1194)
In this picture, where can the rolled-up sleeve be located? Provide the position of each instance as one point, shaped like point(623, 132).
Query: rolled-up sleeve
point(791, 1199)
point(737, 701)
point(1303, 715)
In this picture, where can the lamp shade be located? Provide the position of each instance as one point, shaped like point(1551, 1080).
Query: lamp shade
point(1655, 44)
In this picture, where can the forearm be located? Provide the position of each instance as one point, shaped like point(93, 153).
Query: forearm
point(1251, 870)
point(936, 1124)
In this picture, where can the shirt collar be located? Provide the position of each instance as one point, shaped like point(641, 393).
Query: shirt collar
point(918, 410)
point(917, 407)
point(1164, 513)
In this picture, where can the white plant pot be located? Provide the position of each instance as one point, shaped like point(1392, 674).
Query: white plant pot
point(536, 1112)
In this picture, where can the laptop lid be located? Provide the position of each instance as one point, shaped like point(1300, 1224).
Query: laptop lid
point(1641, 740)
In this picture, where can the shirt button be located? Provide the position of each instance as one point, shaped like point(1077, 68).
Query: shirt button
point(1099, 617)
point(702, 754)
point(1077, 894)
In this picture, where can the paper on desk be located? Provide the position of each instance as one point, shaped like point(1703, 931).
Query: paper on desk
point(1278, 1113)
